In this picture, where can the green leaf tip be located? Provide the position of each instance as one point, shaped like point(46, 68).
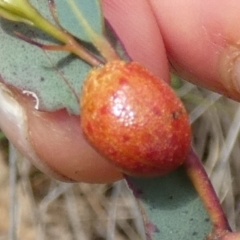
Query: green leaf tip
point(23, 11)
point(17, 10)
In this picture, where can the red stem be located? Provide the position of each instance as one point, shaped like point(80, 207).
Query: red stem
point(200, 180)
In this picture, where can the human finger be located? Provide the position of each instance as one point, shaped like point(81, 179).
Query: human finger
point(52, 141)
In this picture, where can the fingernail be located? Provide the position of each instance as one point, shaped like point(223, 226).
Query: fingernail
point(236, 73)
point(230, 71)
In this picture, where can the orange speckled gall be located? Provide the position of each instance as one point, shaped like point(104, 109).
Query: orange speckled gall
point(134, 119)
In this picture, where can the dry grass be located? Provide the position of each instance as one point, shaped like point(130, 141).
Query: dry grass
point(33, 206)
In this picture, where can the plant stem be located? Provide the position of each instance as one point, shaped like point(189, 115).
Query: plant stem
point(99, 41)
point(200, 180)
point(61, 35)
point(70, 43)
point(23, 11)
point(105, 48)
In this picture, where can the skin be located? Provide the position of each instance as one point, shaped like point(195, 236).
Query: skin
point(200, 40)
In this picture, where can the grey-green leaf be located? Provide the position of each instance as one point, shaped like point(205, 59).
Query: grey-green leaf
point(55, 77)
point(173, 207)
point(78, 15)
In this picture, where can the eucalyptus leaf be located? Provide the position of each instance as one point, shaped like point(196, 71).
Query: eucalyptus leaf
point(80, 17)
point(55, 77)
point(172, 206)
